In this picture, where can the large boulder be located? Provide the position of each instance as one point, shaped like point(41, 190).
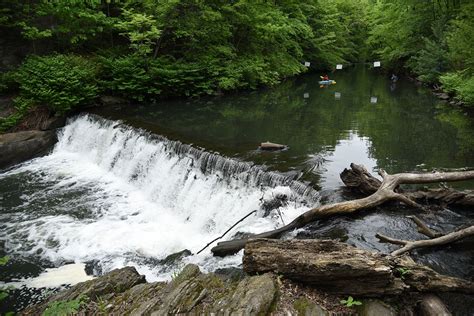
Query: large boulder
point(21, 146)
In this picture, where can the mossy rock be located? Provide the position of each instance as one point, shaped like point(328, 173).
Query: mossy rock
point(305, 307)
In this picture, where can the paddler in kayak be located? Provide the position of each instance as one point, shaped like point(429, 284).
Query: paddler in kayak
point(326, 81)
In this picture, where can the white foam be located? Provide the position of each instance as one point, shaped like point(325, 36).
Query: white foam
point(141, 200)
point(69, 274)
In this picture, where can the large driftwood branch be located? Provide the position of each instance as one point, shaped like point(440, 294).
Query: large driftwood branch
point(340, 268)
point(443, 240)
point(385, 192)
point(359, 179)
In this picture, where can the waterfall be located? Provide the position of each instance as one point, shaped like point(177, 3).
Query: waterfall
point(117, 195)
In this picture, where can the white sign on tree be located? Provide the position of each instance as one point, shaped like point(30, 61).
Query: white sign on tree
point(307, 63)
point(376, 63)
point(338, 66)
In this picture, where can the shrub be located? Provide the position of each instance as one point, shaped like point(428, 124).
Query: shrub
point(461, 84)
point(7, 82)
point(180, 78)
point(127, 76)
point(141, 78)
point(430, 62)
point(61, 82)
point(21, 108)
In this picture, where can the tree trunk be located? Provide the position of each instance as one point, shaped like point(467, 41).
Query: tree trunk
point(340, 268)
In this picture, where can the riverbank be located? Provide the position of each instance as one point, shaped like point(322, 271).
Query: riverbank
point(124, 291)
point(232, 291)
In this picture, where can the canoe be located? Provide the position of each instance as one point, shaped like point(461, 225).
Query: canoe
point(327, 82)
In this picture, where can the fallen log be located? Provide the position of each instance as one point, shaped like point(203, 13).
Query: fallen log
point(360, 180)
point(387, 191)
point(343, 269)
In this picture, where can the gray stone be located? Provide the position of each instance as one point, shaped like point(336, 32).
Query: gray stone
point(253, 296)
point(116, 281)
point(53, 123)
point(432, 305)
point(375, 308)
point(173, 258)
point(21, 146)
point(443, 96)
point(307, 308)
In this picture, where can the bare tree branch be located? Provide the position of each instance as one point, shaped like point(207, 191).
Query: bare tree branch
point(443, 240)
point(423, 228)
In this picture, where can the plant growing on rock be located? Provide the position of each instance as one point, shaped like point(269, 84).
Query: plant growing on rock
point(350, 302)
point(64, 308)
point(403, 272)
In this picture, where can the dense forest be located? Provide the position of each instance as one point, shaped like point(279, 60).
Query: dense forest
point(69, 52)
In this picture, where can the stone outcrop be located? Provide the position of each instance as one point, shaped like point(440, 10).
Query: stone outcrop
point(21, 146)
point(112, 283)
point(124, 292)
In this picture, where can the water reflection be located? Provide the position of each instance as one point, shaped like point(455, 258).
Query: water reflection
point(355, 148)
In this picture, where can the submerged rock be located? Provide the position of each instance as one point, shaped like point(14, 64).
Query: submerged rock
point(174, 257)
point(21, 146)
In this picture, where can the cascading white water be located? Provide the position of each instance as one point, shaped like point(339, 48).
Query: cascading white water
point(120, 196)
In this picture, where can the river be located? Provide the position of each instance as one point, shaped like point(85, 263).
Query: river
point(130, 185)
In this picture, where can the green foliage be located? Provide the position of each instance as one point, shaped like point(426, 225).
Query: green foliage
point(350, 302)
point(22, 106)
point(4, 260)
point(65, 308)
point(141, 30)
point(461, 84)
point(432, 59)
point(188, 47)
point(7, 82)
point(403, 272)
point(61, 82)
point(460, 39)
point(127, 76)
point(71, 23)
point(3, 291)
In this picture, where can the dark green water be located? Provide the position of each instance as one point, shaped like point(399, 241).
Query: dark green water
point(364, 118)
